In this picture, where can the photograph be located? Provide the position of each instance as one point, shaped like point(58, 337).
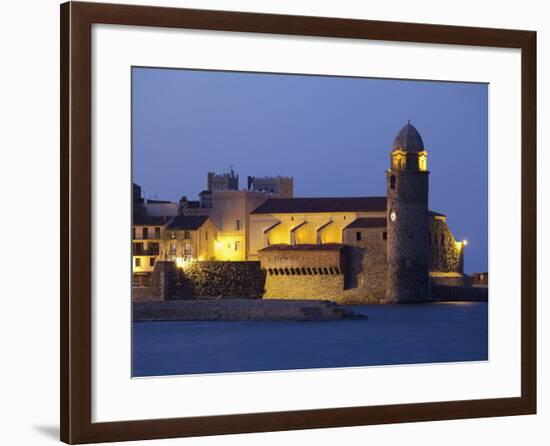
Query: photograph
point(283, 221)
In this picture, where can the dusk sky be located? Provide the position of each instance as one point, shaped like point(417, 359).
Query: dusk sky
point(332, 134)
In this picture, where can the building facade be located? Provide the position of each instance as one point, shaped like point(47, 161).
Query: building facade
point(187, 238)
point(147, 233)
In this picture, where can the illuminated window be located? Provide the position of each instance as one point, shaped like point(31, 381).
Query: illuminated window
point(138, 262)
point(358, 236)
point(187, 249)
point(237, 246)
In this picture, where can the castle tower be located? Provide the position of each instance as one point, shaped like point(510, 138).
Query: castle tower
point(407, 214)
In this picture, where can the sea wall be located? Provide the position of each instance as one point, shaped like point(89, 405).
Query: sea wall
point(240, 310)
point(441, 293)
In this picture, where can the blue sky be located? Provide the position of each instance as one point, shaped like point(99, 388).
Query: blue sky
point(332, 134)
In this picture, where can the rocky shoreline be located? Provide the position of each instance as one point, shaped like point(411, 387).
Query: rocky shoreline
point(241, 310)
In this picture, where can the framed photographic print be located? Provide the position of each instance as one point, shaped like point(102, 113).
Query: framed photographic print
point(281, 222)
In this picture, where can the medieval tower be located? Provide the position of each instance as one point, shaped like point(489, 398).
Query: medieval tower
point(407, 219)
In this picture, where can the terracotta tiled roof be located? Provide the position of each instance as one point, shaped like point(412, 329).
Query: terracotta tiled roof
point(324, 204)
point(367, 223)
point(187, 222)
point(304, 247)
point(148, 220)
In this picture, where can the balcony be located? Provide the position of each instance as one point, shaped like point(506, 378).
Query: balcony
point(147, 236)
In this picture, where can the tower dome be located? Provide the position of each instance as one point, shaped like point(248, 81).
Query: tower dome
point(408, 139)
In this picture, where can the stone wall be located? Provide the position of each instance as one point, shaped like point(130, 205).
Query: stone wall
point(144, 294)
point(309, 286)
point(450, 279)
point(165, 280)
point(460, 293)
point(221, 279)
point(445, 254)
point(366, 267)
point(241, 310)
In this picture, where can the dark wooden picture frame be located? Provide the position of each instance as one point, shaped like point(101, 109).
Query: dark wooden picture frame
point(76, 221)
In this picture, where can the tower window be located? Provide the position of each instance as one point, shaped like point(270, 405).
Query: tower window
point(384, 235)
point(358, 236)
point(392, 182)
point(238, 225)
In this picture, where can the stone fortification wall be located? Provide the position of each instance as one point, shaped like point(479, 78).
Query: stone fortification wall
point(445, 254)
point(221, 279)
point(309, 286)
point(366, 266)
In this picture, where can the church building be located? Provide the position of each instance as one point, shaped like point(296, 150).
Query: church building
point(360, 249)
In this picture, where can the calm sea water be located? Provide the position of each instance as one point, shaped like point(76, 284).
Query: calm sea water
point(393, 334)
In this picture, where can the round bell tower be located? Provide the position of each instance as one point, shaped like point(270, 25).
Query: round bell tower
point(407, 219)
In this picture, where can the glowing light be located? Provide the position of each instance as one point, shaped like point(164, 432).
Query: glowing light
point(181, 262)
point(464, 242)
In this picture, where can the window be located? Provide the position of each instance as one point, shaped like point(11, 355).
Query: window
point(442, 239)
point(384, 235)
point(138, 262)
point(133, 233)
point(206, 235)
point(237, 246)
point(157, 232)
point(138, 248)
point(186, 235)
point(151, 261)
point(145, 233)
point(392, 182)
point(358, 236)
point(187, 249)
point(238, 225)
point(173, 248)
